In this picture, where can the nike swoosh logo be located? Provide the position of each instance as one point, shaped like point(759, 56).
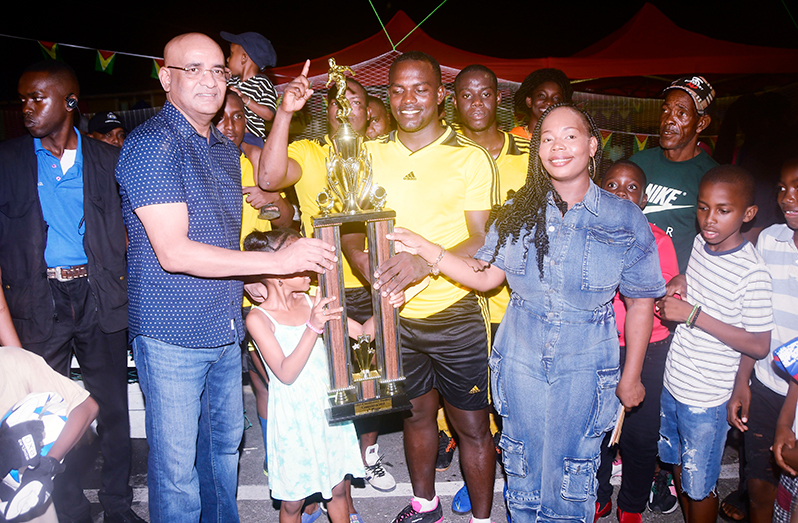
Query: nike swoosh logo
point(651, 209)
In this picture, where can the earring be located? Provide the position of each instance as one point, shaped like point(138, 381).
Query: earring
point(592, 167)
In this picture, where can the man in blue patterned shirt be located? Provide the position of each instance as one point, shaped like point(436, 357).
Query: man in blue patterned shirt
point(181, 193)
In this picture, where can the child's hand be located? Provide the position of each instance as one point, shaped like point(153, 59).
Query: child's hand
point(677, 286)
point(321, 312)
point(784, 449)
point(258, 198)
point(673, 309)
point(737, 407)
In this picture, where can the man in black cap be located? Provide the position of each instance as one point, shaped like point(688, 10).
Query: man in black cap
point(675, 168)
point(108, 128)
point(250, 53)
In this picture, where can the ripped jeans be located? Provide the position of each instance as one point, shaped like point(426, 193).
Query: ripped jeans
point(553, 378)
point(693, 437)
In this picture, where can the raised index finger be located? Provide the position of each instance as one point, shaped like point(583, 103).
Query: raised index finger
point(306, 69)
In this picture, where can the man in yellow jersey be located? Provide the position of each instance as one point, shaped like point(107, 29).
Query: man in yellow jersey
point(442, 186)
point(476, 99)
point(303, 165)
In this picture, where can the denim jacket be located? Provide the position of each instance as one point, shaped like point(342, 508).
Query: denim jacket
point(602, 244)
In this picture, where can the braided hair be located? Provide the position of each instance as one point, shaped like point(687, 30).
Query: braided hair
point(527, 209)
point(536, 78)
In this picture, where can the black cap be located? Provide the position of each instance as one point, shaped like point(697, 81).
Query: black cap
point(105, 122)
point(257, 46)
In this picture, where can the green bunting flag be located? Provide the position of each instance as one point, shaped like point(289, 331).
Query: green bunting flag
point(105, 61)
point(50, 50)
point(156, 67)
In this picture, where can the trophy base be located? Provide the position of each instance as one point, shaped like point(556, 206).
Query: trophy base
point(366, 408)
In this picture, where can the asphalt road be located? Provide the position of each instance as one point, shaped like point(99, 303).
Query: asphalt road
point(256, 506)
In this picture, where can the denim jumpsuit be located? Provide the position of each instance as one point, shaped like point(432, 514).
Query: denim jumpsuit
point(554, 365)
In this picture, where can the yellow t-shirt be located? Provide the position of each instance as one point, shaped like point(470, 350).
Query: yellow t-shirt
point(311, 155)
point(513, 163)
point(430, 190)
point(249, 215)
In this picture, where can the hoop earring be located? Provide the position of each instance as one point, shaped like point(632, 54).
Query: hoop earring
point(592, 167)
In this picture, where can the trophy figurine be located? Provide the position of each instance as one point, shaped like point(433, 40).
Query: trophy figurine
point(365, 376)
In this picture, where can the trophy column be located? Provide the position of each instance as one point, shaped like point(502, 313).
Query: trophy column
point(365, 377)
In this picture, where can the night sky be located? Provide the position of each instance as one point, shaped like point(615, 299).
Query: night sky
point(298, 30)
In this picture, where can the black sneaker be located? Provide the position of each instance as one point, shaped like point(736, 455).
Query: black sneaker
point(663, 498)
point(410, 514)
point(446, 446)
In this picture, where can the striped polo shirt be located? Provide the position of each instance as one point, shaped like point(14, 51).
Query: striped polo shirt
point(734, 287)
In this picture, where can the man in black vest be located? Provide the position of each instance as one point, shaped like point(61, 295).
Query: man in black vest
point(62, 253)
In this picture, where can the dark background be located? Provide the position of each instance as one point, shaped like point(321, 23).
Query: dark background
point(299, 30)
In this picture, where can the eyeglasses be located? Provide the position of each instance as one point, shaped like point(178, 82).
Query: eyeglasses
point(195, 72)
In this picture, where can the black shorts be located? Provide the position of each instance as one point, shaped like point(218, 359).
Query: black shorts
point(358, 304)
point(448, 351)
point(762, 417)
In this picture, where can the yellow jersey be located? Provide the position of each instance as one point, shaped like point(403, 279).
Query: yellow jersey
point(430, 190)
point(513, 163)
point(249, 215)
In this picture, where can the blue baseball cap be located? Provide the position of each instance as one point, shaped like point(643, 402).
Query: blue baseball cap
point(257, 46)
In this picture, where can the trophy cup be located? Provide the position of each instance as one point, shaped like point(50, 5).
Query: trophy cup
point(365, 378)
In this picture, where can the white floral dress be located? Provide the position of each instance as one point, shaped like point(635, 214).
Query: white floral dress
point(306, 454)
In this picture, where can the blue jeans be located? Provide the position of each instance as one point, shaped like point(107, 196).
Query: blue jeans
point(194, 408)
point(693, 437)
point(553, 381)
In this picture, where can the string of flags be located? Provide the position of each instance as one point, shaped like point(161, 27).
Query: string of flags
point(641, 140)
point(104, 61)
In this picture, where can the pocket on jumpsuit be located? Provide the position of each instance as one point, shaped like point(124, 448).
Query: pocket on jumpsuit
point(577, 478)
point(605, 403)
point(513, 456)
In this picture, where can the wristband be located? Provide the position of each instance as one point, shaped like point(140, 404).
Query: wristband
point(693, 316)
point(690, 316)
point(314, 329)
point(433, 267)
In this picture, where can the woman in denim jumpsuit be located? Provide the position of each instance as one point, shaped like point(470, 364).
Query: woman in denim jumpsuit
point(564, 246)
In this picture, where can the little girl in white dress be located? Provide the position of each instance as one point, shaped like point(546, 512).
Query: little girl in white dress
point(306, 454)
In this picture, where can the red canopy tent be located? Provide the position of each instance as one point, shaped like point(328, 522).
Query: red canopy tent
point(649, 44)
point(614, 78)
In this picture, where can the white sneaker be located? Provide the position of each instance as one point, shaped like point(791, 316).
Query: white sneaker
point(376, 475)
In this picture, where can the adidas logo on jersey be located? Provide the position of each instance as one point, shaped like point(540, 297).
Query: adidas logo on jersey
point(410, 176)
point(474, 390)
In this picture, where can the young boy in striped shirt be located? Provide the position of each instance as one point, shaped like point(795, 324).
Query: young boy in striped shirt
point(725, 311)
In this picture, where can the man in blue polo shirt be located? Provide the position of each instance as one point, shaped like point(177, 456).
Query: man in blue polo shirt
point(180, 182)
point(62, 251)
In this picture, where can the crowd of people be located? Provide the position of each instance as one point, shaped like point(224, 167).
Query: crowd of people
point(552, 304)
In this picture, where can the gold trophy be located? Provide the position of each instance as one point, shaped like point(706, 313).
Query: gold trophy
point(365, 377)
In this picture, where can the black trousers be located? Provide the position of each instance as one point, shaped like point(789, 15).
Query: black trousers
point(639, 437)
point(103, 364)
